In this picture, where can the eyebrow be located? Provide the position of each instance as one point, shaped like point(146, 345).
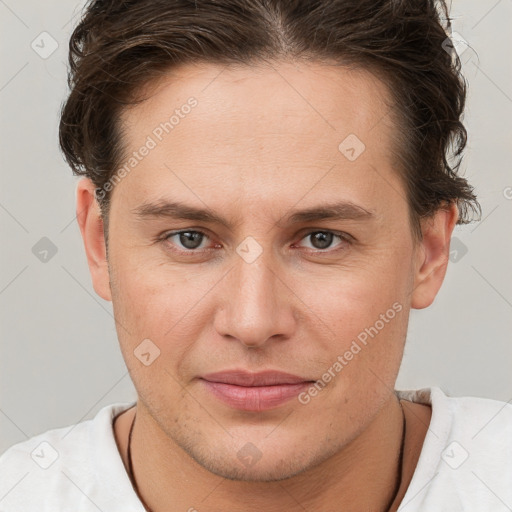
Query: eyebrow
point(178, 210)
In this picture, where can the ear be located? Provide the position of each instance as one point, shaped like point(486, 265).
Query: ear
point(89, 218)
point(432, 255)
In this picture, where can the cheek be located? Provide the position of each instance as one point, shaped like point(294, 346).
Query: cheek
point(360, 315)
point(351, 297)
point(160, 304)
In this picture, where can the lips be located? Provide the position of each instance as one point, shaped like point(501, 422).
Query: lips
point(242, 378)
point(254, 391)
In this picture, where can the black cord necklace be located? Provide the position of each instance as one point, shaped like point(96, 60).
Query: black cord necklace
point(130, 467)
point(400, 460)
point(395, 493)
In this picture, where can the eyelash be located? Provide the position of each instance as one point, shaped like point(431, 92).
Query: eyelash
point(344, 238)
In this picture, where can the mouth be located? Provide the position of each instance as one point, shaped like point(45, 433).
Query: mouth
point(254, 391)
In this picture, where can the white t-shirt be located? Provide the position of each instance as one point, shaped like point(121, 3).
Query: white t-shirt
point(465, 463)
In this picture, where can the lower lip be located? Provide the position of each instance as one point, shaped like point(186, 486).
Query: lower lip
point(255, 398)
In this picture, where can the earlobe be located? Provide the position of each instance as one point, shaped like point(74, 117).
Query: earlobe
point(432, 255)
point(89, 218)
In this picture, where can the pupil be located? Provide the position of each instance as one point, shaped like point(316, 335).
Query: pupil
point(189, 239)
point(322, 240)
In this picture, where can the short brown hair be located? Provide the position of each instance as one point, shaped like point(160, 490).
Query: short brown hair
point(120, 46)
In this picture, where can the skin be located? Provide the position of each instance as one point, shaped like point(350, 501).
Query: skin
point(261, 142)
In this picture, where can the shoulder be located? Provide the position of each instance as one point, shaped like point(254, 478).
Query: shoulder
point(60, 469)
point(482, 424)
point(479, 433)
point(467, 415)
point(466, 458)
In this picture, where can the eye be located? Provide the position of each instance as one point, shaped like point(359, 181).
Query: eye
point(193, 241)
point(321, 240)
point(190, 240)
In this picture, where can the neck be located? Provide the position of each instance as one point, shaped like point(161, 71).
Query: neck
point(363, 475)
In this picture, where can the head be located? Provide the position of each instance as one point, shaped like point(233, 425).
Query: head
point(308, 152)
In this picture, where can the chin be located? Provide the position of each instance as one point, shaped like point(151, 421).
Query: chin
point(249, 464)
point(268, 471)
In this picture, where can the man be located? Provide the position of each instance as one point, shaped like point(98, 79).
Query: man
point(267, 194)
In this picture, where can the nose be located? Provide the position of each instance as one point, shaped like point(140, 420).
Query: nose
point(258, 305)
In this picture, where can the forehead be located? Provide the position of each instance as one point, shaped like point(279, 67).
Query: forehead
point(279, 126)
point(266, 100)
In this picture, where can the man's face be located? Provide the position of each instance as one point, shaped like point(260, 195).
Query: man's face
point(266, 291)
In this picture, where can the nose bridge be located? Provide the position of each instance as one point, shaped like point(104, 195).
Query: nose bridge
point(256, 308)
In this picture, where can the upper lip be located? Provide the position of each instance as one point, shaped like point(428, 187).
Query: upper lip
point(245, 378)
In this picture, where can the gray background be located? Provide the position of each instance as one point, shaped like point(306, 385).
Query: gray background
point(60, 362)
